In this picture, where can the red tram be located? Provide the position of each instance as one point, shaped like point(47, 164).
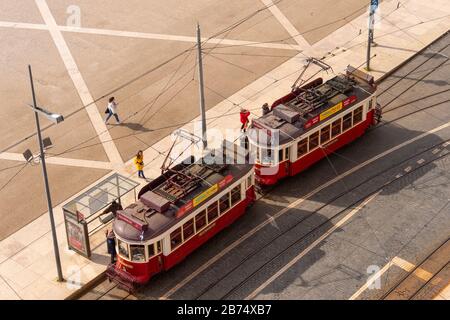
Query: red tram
point(175, 214)
point(311, 122)
point(189, 203)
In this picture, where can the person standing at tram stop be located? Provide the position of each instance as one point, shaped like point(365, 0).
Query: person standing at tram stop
point(244, 114)
point(111, 110)
point(139, 162)
point(111, 244)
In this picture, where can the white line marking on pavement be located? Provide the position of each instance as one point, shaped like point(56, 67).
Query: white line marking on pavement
point(294, 204)
point(339, 224)
point(420, 161)
point(94, 164)
point(408, 169)
point(286, 24)
point(21, 25)
point(399, 262)
point(435, 151)
point(150, 36)
point(169, 37)
point(83, 91)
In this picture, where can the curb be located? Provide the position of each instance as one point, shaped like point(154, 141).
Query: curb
point(403, 63)
point(87, 287)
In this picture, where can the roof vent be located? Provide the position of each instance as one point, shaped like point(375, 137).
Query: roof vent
point(155, 201)
point(285, 113)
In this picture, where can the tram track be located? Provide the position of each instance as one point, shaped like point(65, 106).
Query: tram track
point(109, 292)
point(340, 212)
point(415, 269)
point(411, 71)
point(329, 220)
point(429, 281)
point(266, 192)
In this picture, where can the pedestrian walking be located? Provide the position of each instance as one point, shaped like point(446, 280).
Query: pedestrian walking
point(111, 110)
point(265, 109)
point(111, 244)
point(244, 119)
point(139, 162)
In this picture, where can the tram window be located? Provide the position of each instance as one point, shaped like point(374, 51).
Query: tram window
point(336, 128)
point(236, 195)
point(286, 153)
point(257, 150)
point(151, 250)
point(370, 104)
point(266, 155)
point(213, 211)
point(137, 253)
point(200, 220)
point(302, 147)
point(313, 140)
point(347, 122)
point(224, 202)
point(158, 247)
point(188, 229)
point(175, 238)
point(280, 155)
point(123, 249)
point(324, 134)
point(357, 115)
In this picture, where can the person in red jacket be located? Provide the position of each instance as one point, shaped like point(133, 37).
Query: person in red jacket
point(244, 119)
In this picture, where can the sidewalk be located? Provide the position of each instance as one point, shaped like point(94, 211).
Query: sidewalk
point(27, 266)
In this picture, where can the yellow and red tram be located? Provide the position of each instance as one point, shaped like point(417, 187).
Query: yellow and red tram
point(311, 122)
point(175, 214)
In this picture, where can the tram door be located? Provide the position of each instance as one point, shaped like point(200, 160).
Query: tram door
point(287, 158)
point(284, 159)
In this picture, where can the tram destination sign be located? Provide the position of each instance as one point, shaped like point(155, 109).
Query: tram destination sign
point(330, 111)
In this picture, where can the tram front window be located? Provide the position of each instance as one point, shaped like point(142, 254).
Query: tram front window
point(137, 253)
point(123, 249)
point(267, 156)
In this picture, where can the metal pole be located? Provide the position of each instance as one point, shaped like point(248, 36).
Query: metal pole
point(47, 189)
point(201, 89)
point(373, 6)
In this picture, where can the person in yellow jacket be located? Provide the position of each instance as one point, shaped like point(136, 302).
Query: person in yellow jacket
point(139, 162)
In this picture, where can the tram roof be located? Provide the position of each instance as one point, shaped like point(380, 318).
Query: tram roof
point(157, 210)
point(304, 109)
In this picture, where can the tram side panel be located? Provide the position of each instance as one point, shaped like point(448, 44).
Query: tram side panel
point(223, 221)
point(288, 168)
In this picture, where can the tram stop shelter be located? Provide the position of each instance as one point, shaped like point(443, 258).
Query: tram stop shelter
point(83, 216)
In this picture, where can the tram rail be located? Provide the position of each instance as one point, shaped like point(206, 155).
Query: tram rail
point(267, 191)
point(397, 290)
point(339, 213)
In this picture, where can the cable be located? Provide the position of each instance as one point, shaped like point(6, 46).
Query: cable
point(14, 176)
point(163, 90)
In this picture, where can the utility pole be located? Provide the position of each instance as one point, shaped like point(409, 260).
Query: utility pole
point(201, 89)
point(373, 7)
point(47, 188)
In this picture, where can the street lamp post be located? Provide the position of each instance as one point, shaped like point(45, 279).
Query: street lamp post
point(373, 7)
point(56, 118)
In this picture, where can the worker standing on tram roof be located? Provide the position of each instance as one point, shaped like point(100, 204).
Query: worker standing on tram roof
point(244, 119)
point(139, 162)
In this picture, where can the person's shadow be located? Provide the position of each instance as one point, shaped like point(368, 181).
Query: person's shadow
point(135, 126)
